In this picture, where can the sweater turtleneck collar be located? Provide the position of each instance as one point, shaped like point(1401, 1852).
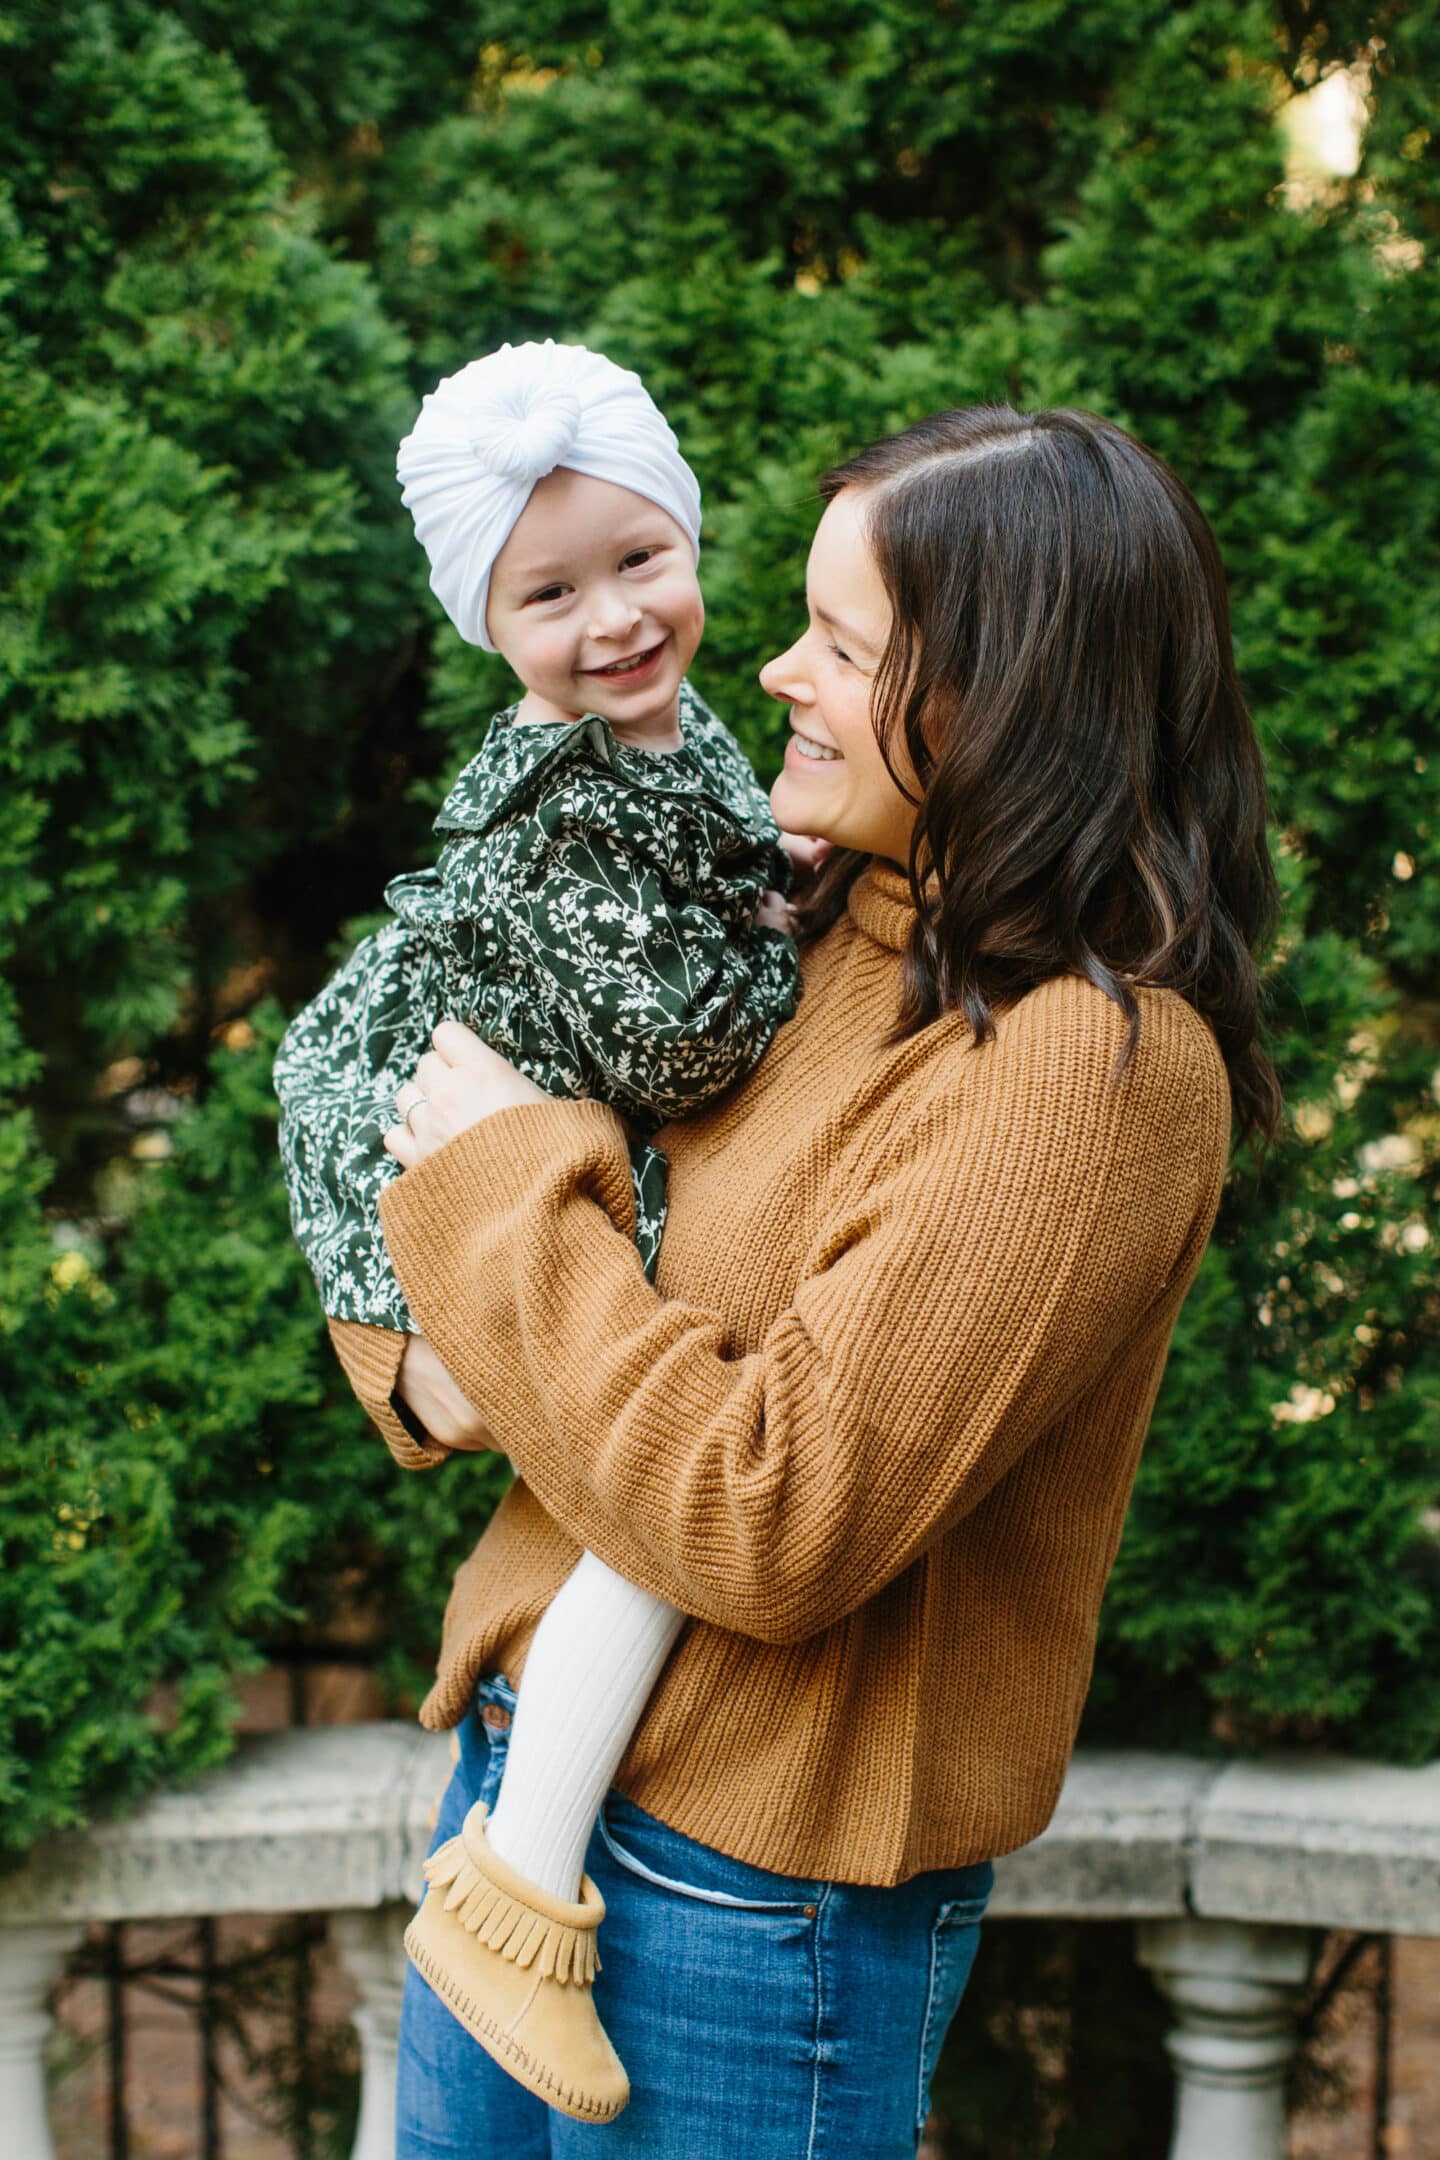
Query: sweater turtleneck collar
point(880, 904)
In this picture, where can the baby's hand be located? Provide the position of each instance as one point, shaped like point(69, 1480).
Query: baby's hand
point(806, 852)
point(775, 913)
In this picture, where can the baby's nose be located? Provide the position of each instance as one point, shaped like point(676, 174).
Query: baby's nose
point(614, 616)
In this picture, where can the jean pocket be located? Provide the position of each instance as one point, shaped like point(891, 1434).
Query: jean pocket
point(495, 1689)
point(666, 1858)
point(484, 1734)
point(954, 1939)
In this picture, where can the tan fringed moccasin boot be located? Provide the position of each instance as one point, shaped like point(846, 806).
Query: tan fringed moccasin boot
point(517, 1967)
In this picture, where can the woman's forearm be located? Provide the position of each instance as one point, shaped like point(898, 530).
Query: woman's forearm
point(370, 1357)
point(955, 1317)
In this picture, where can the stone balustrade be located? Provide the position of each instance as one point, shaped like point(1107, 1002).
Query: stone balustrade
point(1231, 1872)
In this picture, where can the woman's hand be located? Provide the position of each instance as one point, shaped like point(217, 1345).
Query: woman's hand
point(456, 1084)
point(425, 1387)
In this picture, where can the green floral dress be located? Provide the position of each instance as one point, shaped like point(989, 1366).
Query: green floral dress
point(591, 916)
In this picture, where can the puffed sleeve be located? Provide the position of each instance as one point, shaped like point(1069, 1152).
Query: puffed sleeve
point(949, 1312)
point(657, 998)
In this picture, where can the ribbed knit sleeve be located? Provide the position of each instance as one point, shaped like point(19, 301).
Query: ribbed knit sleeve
point(948, 1309)
point(371, 1358)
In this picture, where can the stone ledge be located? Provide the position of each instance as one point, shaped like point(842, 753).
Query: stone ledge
point(338, 1818)
point(1118, 1844)
point(1321, 1840)
point(322, 1818)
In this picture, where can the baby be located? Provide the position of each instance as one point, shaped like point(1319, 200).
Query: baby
point(606, 912)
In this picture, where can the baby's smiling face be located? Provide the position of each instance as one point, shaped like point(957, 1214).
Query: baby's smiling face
point(595, 604)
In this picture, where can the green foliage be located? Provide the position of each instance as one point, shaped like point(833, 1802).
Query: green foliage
point(184, 1480)
point(199, 555)
point(234, 248)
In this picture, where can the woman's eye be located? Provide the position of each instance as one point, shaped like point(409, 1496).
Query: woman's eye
point(838, 654)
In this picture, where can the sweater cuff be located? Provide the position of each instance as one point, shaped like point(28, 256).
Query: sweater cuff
point(498, 1163)
point(371, 1359)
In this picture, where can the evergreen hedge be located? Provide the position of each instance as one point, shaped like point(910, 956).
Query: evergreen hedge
point(233, 251)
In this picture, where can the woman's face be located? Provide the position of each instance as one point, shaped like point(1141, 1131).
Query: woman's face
point(834, 782)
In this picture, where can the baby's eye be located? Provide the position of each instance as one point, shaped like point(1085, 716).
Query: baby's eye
point(547, 592)
point(638, 557)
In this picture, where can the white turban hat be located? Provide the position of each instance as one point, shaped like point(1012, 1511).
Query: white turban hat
point(487, 434)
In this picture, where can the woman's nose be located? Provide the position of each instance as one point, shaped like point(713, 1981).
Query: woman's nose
point(785, 678)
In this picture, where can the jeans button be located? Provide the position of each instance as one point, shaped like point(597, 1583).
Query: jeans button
point(497, 1719)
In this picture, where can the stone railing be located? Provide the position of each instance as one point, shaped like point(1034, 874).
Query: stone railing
point(1231, 1873)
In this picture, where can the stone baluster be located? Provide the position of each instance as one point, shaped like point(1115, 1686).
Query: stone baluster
point(1236, 1990)
point(369, 1947)
point(31, 1961)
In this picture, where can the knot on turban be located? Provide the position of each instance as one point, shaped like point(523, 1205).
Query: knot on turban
point(487, 434)
point(526, 445)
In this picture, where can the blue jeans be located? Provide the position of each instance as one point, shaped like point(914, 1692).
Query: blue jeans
point(760, 2016)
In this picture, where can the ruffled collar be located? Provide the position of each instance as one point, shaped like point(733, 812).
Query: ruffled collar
point(880, 904)
point(518, 762)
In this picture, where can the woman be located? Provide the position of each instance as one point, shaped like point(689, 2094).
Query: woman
point(876, 1423)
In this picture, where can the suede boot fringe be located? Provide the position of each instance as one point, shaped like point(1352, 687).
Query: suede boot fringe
point(526, 1930)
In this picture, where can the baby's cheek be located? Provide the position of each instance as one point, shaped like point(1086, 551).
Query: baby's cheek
point(686, 613)
point(551, 655)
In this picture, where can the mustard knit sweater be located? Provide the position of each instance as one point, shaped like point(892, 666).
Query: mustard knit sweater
point(876, 1425)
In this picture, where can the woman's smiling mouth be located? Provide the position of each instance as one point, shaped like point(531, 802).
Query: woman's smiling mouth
point(807, 747)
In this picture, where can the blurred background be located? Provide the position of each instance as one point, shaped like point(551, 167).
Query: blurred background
point(235, 247)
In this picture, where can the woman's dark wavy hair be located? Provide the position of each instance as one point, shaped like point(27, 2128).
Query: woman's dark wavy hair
point(1060, 671)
